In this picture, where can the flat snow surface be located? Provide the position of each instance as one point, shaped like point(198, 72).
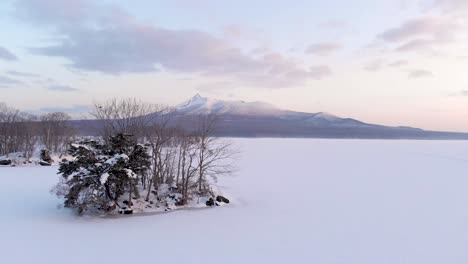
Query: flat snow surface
point(294, 201)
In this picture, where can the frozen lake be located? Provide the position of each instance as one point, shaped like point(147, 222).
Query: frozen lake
point(294, 201)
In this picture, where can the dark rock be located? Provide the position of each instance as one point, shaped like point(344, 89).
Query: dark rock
point(151, 202)
point(43, 163)
point(45, 156)
point(210, 202)
point(154, 192)
point(126, 211)
point(126, 203)
point(222, 199)
point(5, 162)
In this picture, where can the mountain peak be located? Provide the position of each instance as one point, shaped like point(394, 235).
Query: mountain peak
point(197, 97)
point(203, 105)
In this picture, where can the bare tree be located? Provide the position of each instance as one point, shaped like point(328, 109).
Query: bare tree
point(55, 131)
point(29, 133)
point(215, 156)
point(18, 131)
point(8, 118)
point(159, 136)
point(186, 170)
point(127, 116)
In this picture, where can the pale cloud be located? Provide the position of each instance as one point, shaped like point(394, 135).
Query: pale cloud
point(451, 6)
point(75, 109)
point(323, 49)
point(415, 45)
point(9, 82)
point(260, 50)
point(62, 88)
point(113, 42)
point(54, 12)
point(7, 55)
point(463, 93)
point(416, 74)
point(319, 72)
point(375, 65)
point(421, 33)
point(234, 31)
point(398, 63)
point(426, 26)
point(23, 74)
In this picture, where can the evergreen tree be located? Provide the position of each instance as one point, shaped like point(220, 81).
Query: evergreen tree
point(100, 174)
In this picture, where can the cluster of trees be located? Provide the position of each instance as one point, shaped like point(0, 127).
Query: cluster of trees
point(101, 172)
point(24, 132)
point(144, 150)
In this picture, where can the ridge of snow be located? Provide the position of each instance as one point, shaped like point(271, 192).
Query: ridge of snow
point(104, 178)
point(204, 105)
point(130, 173)
point(326, 116)
point(116, 158)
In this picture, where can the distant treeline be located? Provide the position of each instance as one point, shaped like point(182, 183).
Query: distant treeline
point(24, 132)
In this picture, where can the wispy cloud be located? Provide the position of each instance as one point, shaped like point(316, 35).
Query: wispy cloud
point(23, 74)
point(7, 55)
point(460, 93)
point(62, 88)
point(421, 33)
point(451, 6)
point(8, 82)
point(75, 109)
point(319, 72)
point(375, 65)
point(398, 63)
point(323, 49)
point(417, 74)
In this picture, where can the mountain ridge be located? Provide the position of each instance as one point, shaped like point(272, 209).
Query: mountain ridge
point(203, 105)
point(258, 119)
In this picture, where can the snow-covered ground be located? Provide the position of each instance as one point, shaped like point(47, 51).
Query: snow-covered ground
point(293, 201)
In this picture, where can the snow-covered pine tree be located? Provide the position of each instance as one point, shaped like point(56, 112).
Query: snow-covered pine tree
point(99, 174)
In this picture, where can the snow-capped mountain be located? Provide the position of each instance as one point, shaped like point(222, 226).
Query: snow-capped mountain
point(202, 105)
